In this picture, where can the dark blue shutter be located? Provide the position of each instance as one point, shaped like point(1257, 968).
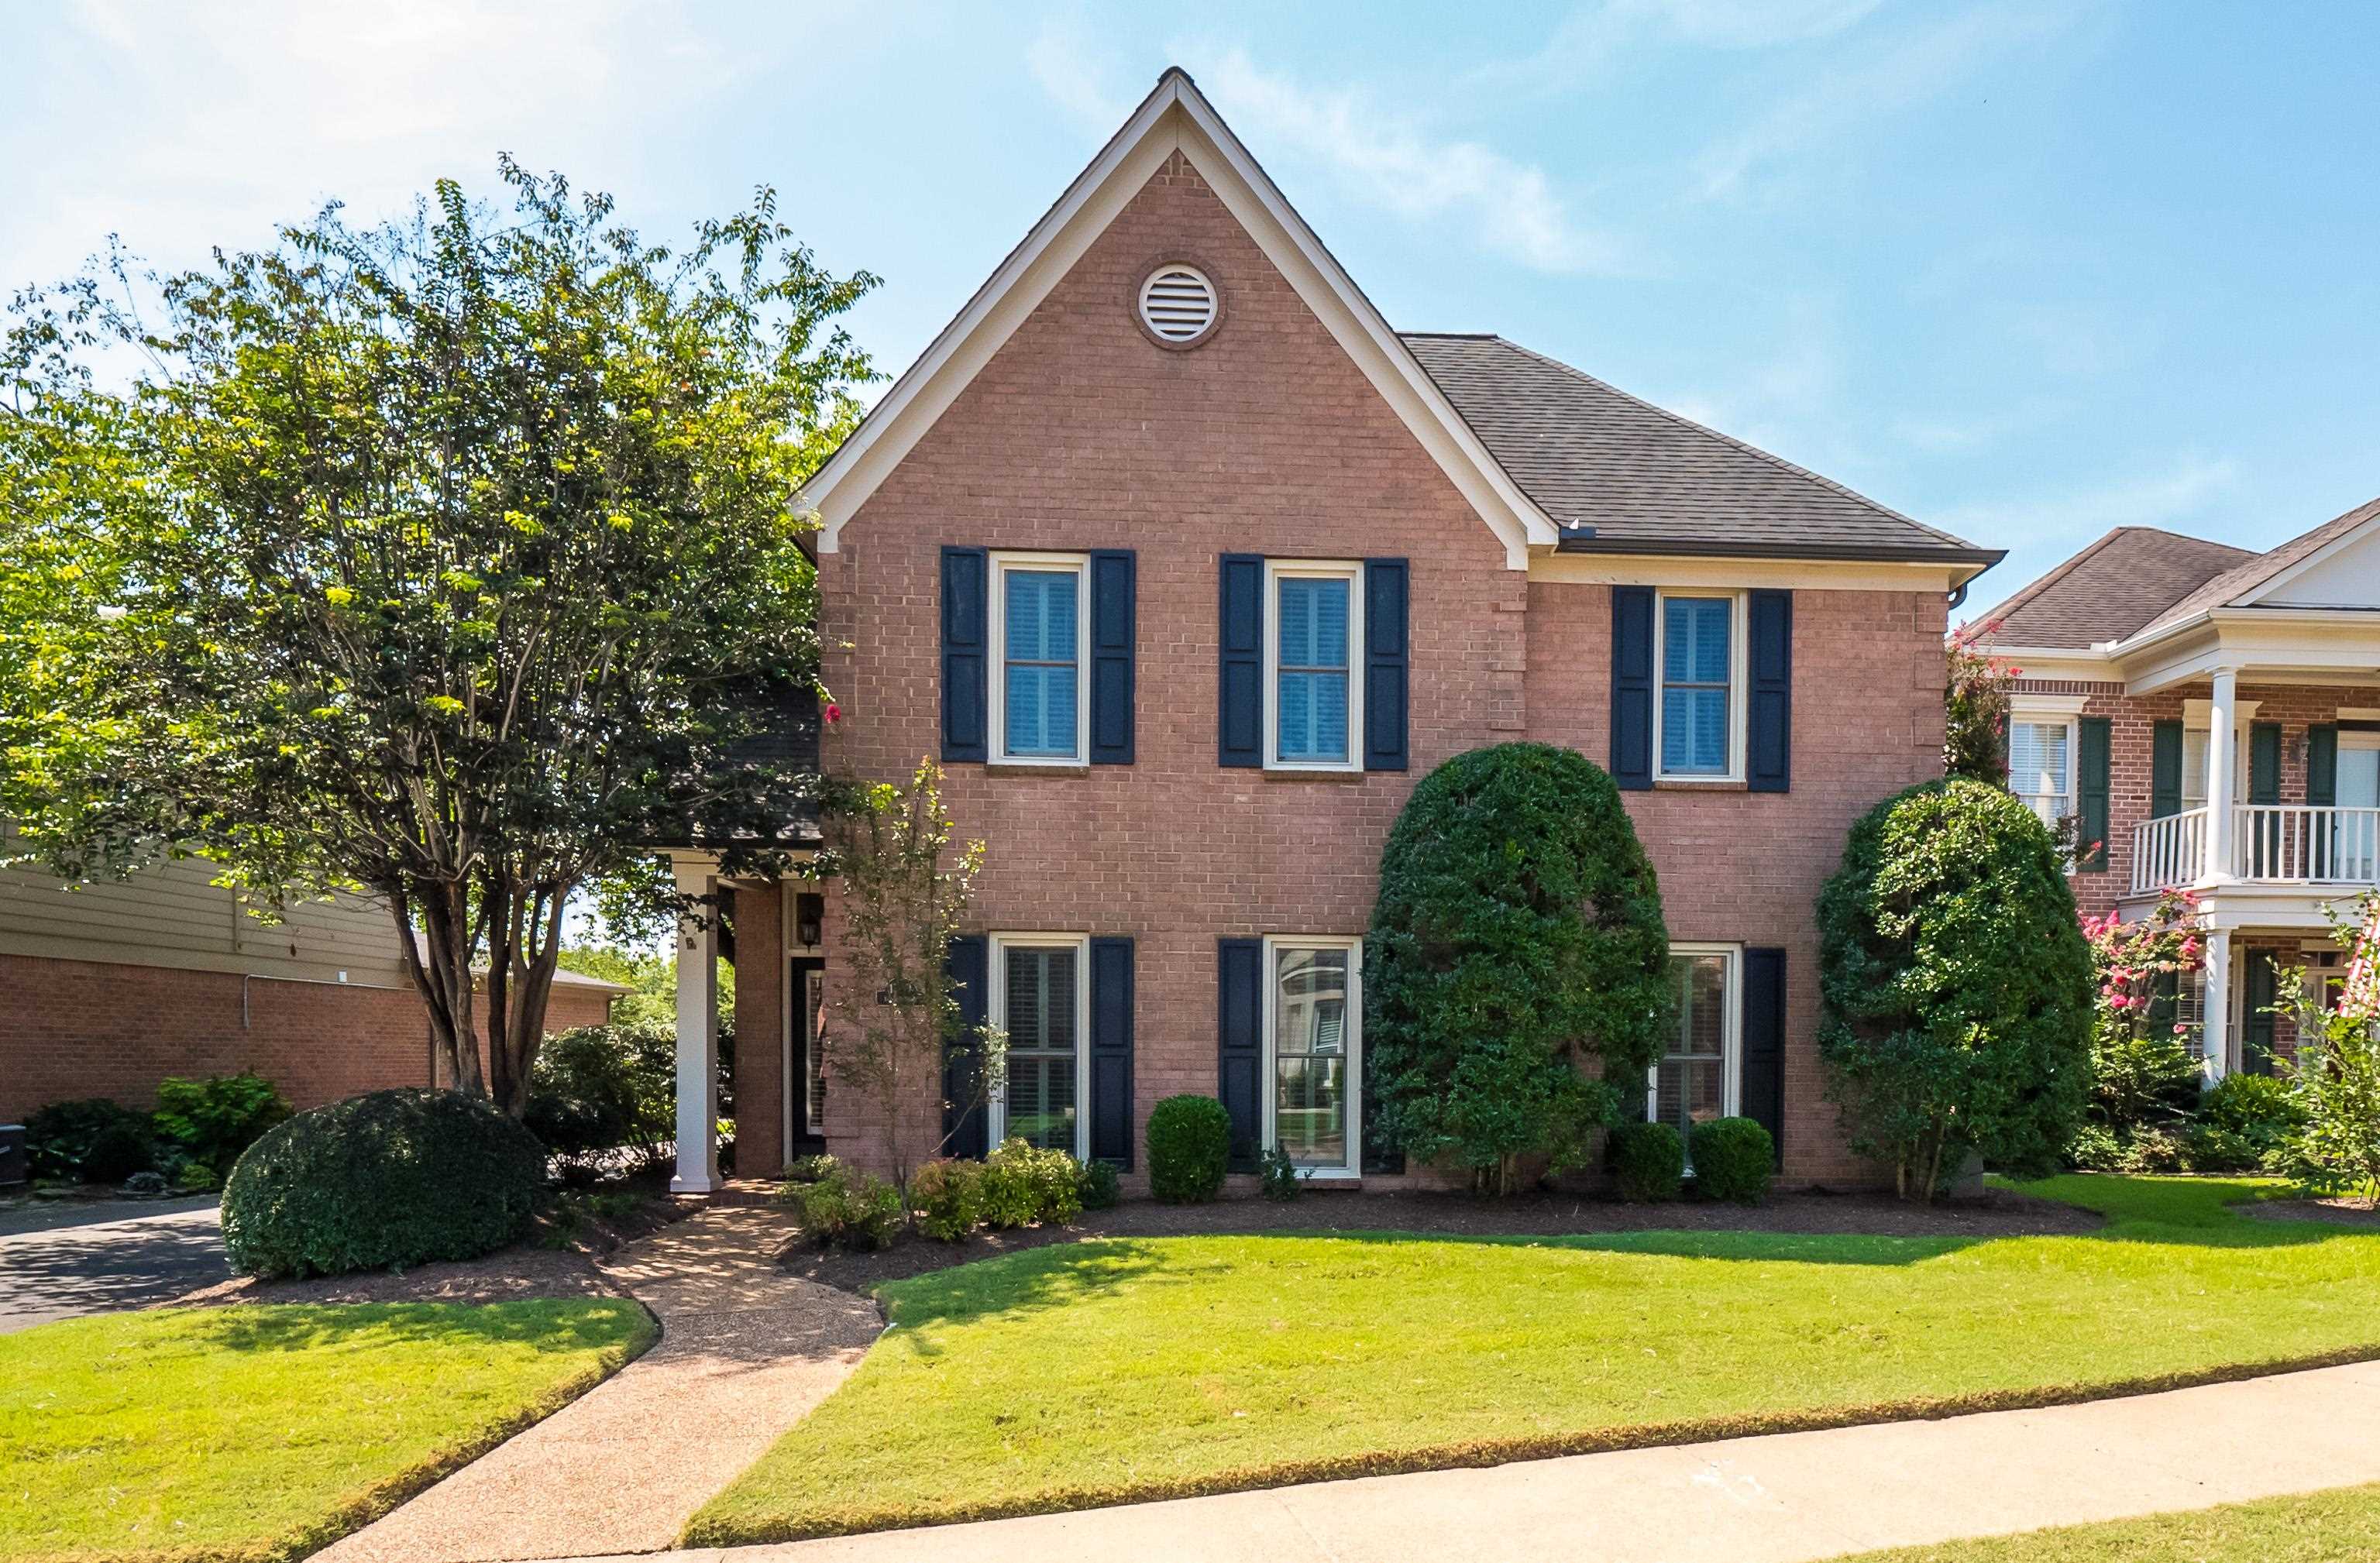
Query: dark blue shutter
point(968, 960)
point(1768, 767)
point(2256, 1044)
point(2092, 737)
point(1387, 658)
point(1632, 687)
point(1762, 1080)
point(1239, 968)
point(1240, 702)
point(1111, 1051)
point(2165, 769)
point(1112, 610)
point(965, 652)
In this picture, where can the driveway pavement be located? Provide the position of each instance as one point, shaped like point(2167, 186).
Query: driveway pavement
point(58, 1261)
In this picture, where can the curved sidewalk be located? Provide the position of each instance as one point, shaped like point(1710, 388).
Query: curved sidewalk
point(1789, 1497)
point(744, 1353)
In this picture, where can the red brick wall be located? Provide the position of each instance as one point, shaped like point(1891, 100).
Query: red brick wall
point(80, 1028)
point(1080, 433)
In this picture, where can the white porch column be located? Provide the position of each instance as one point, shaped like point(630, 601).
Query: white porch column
point(2216, 1029)
point(2222, 746)
point(698, 1042)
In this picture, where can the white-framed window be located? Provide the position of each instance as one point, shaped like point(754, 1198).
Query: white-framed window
point(813, 1022)
point(1040, 645)
point(1041, 997)
point(1698, 655)
point(1314, 623)
point(1699, 1076)
point(1314, 1051)
point(2041, 764)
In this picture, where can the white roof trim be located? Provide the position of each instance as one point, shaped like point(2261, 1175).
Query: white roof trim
point(1174, 116)
point(2310, 564)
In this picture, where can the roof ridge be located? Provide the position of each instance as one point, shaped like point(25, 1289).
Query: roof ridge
point(2064, 568)
point(1769, 456)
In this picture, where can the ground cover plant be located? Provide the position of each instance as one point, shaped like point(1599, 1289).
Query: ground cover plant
point(2339, 1526)
point(225, 1435)
point(1030, 1382)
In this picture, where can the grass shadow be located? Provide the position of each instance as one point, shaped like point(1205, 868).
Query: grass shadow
point(545, 1326)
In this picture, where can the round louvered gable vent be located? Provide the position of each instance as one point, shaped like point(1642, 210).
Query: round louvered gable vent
point(1178, 305)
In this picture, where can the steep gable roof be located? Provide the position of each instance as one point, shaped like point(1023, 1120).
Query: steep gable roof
point(2239, 585)
point(2110, 589)
point(1623, 475)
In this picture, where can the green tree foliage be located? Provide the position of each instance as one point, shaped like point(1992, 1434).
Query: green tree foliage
point(1517, 961)
point(1957, 986)
point(455, 560)
point(2332, 1144)
point(1975, 707)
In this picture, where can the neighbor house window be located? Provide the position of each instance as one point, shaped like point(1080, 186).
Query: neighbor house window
point(1701, 704)
point(1695, 1080)
point(1312, 720)
point(1313, 1042)
point(1040, 997)
point(1039, 649)
point(2041, 766)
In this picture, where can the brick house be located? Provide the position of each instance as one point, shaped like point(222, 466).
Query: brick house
point(107, 988)
point(1188, 567)
point(2211, 716)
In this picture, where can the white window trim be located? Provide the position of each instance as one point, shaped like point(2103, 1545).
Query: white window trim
point(2064, 711)
point(1271, 1077)
point(1352, 572)
point(1730, 1068)
point(1739, 684)
point(996, 1110)
point(997, 634)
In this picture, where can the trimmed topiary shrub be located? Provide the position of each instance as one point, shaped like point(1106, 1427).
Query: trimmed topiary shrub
point(1189, 1144)
point(388, 1180)
point(1734, 1160)
point(1648, 1161)
point(1957, 987)
point(211, 1120)
point(59, 1136)
point(948, 1198)
point(1517, 960)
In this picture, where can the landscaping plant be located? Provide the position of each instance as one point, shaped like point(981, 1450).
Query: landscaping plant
point(947, 1198)
point(387, 1180)
point(2335, 1079)
point(602, 1088)
point(1648, 1161)
point(1189, 1145)
point(1975, 707)
point(1956, 985)
point(1277, 1176)
point(1022, 1185)
point(2242, 1121)
point(1099, 1189)
point(2144, 1085)
point(1517, 960)
point(847, 1209)
point(211, 1120)
point(59, 1137)
point(1735, 1160)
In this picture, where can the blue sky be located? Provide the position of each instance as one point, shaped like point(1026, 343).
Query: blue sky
point(2026, 271)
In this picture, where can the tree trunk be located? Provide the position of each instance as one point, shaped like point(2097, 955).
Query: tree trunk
point(437, 956)
point(524, 952)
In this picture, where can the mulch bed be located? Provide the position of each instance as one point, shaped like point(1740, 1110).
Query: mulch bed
point(1997, 1214)
point(2338, 1210)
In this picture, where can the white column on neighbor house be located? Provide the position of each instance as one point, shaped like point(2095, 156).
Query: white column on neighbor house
point(698, 1040)
point(2216, 1029)
point(2222, 760)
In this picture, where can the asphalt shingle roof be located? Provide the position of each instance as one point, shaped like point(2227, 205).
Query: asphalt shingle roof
point(2111, 588)
point(2239, 581)
point(1594, 456)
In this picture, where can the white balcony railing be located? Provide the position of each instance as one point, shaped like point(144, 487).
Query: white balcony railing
point(2282, 844)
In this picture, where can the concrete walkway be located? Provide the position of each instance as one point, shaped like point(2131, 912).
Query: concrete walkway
point(744, 1353)
point(1788, 1498)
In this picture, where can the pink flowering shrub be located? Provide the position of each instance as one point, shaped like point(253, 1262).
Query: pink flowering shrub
point(2144, 1080)
point(1975, 707)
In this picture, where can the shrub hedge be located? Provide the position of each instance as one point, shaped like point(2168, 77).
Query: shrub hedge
point(211, 1120)
point(1648, 1160)
point(948, 1197)
point(58, 1138)
point(1189, 1145)
point(393, 1178)
point(1734, 1160)
point(847, 1209)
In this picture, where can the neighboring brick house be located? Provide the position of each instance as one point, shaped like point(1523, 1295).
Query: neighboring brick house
point(1187, 567)
point(2212, 718)
point(107, 988)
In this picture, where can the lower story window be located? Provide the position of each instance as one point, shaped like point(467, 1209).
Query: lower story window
point(2041, 768)
point(1312, 1039)
point(1695, 1080)
point(1040, 997)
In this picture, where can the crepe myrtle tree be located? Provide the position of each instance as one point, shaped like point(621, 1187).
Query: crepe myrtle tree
point(1518, 963)
point(455, 560)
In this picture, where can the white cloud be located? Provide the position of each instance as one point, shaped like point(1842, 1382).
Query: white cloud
point(1589, 41)
point(2069, 517)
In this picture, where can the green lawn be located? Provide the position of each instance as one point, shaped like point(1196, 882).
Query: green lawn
point(210, 1434)
point(2341, 1526)
point(1100, 1372)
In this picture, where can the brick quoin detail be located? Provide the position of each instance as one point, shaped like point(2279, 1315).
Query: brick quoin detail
point(1080, 433)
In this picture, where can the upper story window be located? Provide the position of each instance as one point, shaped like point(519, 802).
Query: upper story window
point(1313, 720)
point(2041, 766)
point(1699, 713)
point(1039, 648)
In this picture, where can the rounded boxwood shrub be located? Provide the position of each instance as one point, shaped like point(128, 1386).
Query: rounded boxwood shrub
point(1189, 1144)
point(388, 1180)
point(1518, 960)
point(1648, 1161)
point(1099, 1187)
point(1735, 1160)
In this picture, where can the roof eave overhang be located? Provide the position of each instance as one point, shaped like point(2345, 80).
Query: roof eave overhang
point(1973, 562)
point(2283, 643)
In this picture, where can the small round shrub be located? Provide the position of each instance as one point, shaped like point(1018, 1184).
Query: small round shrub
point(1189, 1144)
point(1735, 1160)
point(2257, 1107)
point(117, 1152)
point(387, 1180)
point(810, 1169)
point(1099, 1189)
point(196, 1177)
point(1648, 1161)
point(1022, 1185)
point(948, 1198)
point(2095, 1148)
point(847, 1209)
point(59, 1136)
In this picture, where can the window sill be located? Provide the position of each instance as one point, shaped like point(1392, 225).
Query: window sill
point(1021, 768)
point(1699, 785)
point(1294, 773)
